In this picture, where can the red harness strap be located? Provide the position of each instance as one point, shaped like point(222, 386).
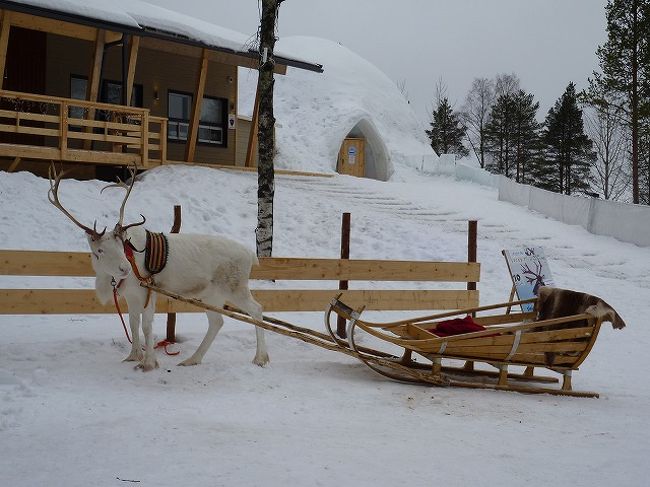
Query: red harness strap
point(128, 252)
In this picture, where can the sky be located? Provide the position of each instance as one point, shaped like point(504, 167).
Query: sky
point(547, 43)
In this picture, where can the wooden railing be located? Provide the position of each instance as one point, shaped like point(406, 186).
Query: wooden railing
point(64, 129)
point(83, 301)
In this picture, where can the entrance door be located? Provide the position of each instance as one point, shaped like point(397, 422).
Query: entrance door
point(352, 157)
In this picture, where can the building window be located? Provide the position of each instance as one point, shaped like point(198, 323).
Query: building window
point(211, 125)
point(111, 93)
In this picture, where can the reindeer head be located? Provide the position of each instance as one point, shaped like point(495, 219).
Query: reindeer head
point(107, 247)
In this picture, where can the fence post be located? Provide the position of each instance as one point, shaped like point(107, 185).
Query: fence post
point(345, 254)
point(471, 248)
point(171, 317)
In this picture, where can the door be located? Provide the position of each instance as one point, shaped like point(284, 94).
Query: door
point(352, 157)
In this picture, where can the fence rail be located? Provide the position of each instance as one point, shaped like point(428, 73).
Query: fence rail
point(65, 129)
point(83, 301)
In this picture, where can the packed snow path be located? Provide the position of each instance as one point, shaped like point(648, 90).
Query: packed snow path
point(72, 414)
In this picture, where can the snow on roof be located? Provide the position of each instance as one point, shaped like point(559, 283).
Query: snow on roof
point(142, 15)
point(316, 112)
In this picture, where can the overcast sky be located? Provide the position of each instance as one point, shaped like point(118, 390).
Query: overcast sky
point(547, 43)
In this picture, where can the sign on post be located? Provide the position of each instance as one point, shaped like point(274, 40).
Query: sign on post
point(529, 271)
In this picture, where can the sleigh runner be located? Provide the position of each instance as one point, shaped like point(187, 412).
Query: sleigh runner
point(557, 343)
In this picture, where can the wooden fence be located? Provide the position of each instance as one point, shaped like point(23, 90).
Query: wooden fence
point(64, 129)
point(83, 301)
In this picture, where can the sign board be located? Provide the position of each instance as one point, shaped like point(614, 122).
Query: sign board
point(352, 155)
point(232, 121)
point(529, 271)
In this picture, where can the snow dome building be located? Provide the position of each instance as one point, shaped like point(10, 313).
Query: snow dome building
point(351, 118)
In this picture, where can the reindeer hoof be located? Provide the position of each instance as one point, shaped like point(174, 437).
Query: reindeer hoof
point(261, 361)
point(134, 357)
point(190, 361)
point(147, 365)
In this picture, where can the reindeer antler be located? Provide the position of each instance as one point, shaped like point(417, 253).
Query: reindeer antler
point(53, 196)
point(120, 228)
point(537, 273)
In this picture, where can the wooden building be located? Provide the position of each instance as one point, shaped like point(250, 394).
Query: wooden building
point(62, 95)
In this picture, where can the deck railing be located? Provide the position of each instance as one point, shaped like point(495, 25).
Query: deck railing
point(64, 129)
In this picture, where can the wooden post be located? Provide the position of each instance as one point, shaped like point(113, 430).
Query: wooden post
point(345, 254)
point(252, 136)
point(94, 78)
point(134, 44)
point(471, 248)
point(63, 130)
point(471, 257)
point(195, 117)
point(171, 317)
point(4, 42)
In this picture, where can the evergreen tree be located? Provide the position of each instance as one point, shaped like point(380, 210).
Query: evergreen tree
point(568, 150)
point(625, 63)
point(525, 134)
point(499, 134)
point(447, 132)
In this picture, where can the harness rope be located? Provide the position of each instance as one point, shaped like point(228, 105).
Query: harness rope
point(155, 260)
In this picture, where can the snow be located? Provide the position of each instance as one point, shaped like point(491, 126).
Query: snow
point(72, 414)
point(138, 14)
point(315, 112)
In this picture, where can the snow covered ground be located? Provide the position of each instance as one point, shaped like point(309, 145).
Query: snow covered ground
point(72, 414)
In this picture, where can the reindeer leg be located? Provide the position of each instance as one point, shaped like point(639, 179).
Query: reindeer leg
point(149, 362)
point(254, 309)
point(215, 322)
point(136, 350)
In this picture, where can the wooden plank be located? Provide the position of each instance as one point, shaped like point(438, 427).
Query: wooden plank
point(252, 135)
point(21, 129)
point(280, 268)
point(83, 301)
point(29, 151)
point(4, 42)
point(28, 263)
point(13, 114)
point(14, 164)
point(52, 26)
point(195, 117)
point(94, 77)
point(134, 45)
point(126, 127)
point(96, 157)
point(271, 268)
point(458, 347)
point(103, 138)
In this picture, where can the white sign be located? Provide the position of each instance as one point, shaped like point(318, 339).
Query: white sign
point(352, 155)
point(232, 121)
point(529, 271)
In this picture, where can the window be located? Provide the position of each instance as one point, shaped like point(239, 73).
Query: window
point(211, 125)
point(111, 93)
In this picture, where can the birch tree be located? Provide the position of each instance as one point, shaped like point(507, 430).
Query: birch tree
point(266, 123)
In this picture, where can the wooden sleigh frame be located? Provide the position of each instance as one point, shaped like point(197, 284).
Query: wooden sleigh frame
point(558, 344)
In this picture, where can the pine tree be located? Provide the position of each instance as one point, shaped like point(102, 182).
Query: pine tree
point(498, 135)
point(625, 63)
point(447, 132)
point(568, 150)
point(525, 134)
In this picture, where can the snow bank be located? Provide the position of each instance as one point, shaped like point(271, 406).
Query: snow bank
point(315, 112)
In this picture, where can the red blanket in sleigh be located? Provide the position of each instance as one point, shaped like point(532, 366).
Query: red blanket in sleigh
point(457, 326)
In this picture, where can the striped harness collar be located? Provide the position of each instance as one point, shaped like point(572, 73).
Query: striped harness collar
point(156, 252)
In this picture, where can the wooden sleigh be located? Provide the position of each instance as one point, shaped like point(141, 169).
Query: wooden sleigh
point(509, 338)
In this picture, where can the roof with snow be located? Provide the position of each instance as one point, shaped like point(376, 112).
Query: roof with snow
point(142, 18)
point(351, 98)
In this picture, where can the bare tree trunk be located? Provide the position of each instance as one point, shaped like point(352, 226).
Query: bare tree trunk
point(266, 146)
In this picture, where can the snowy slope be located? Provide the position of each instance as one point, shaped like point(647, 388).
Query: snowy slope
point(315, 112)
point(72, 414)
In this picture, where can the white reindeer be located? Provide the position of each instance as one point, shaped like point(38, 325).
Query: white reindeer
point(209, 268)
